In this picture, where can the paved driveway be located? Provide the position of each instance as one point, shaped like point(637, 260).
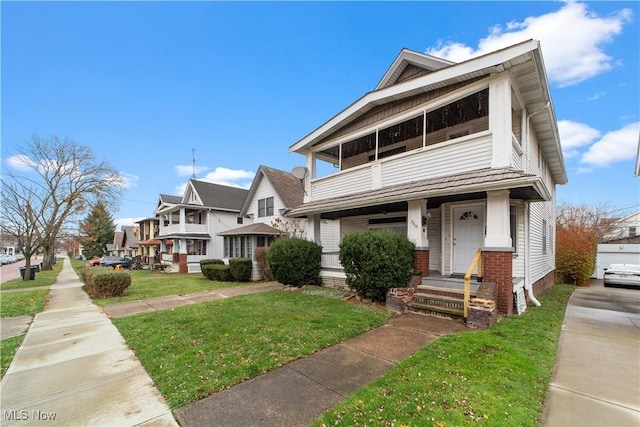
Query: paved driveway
point(596, 376)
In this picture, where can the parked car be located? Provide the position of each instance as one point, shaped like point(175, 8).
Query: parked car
point(114, 261)
point(93, 262)
point(622, 275)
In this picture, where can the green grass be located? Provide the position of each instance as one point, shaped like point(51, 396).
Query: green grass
point(22, 303)
point(8, 349)
point(497, 376)
point(197, 350)
point(149, 284)
point(43, 278)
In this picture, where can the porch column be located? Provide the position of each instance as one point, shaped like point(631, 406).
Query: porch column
point(182, 255)
point(497, 254)
point(500, 121)
point(498, 221)
point(183, 221)
point(417, 233)
point(313, 228)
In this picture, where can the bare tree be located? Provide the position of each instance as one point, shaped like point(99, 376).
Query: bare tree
point(57, 180)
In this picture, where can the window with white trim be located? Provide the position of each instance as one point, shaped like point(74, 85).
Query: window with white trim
point(265, 207)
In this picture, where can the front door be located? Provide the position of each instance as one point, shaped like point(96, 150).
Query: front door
point(468, 235)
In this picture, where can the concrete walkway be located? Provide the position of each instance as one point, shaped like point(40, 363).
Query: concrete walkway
point(596, 376)
point(75, 369)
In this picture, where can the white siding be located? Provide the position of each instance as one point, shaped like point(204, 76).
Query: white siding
point(330, 235)
point(541, 260)
point(519, 255)
point(219, 221)
point(434, 233)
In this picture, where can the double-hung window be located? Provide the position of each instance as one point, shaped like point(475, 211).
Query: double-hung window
point(265, 207)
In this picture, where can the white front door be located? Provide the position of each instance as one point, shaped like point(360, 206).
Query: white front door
point(468, 235)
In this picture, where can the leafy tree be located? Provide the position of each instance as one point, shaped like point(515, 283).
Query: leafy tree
point(53, 181)
point(578, 231)
point(97, 230)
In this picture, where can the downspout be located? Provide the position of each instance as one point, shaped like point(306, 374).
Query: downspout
point(527, 280)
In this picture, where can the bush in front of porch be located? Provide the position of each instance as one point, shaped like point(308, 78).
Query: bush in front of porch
point(375, 261)
point(295, 262)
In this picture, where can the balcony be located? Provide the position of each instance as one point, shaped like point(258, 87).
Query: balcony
point(424, 163)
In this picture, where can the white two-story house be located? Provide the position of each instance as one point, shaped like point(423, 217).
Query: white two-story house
point(189, 225)
point(272, 194)
point(459, 156)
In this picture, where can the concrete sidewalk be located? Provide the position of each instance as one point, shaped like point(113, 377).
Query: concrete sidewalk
point(596, 376)
point(300, 391)
point(75, 369)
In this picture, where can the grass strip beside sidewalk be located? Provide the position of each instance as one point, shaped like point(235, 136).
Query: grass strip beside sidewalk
point(197, 350)
point(497, 376)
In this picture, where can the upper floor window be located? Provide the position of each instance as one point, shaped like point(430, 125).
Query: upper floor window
point(265, 207)
point(632, 232)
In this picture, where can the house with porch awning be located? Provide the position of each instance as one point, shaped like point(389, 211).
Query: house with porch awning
point(462, 157)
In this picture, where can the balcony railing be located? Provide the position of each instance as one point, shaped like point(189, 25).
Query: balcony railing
point(330, 261)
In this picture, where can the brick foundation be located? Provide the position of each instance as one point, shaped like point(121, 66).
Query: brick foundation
point(543, 284)
point(335, 283)
point(421, 261)
point(497, 268)
point(182, 263)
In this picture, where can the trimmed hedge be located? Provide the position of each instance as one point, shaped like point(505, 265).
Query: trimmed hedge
point(375, 261)
point(204, 262)
point(295, 262)
point(108, 285)
point(87, 273)
point(240, 269)
point(217, 272)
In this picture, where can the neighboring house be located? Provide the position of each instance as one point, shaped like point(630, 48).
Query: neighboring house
point(149, 245)
point(460, 157)
point(625, 229)
point(189, 225)
point(272, 193)
point(621, 244)
point(125, 242)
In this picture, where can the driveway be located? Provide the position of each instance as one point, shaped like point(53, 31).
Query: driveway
point(596, 376)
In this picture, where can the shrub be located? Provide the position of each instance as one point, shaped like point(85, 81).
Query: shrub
point(217, 272)
point(375, 261)
point(87, 273)
point(294, 261)
point(204, 262)
point(107, 285)
point(263, 266)
point(240, 269)
point(575, 254)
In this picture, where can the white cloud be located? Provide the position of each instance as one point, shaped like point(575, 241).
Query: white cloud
point(128, 180)
point(574, 135)
point(21, 162)
point(572, 40)
point(224, 176)
point(615, 146)
point(188, 170)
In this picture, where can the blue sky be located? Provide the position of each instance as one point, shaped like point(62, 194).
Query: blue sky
point(144, 83)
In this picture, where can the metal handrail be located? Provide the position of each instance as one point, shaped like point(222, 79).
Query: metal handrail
point(477, 261)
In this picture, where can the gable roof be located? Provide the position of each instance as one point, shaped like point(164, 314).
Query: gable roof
point(259, 228)
point(217, 196)
point(523, 60)
point(288, 187)
point(410, 64)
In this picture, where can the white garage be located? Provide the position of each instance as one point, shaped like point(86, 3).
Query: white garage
point(616, 253)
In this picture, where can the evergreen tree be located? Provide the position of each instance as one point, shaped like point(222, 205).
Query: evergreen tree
point(97, 230)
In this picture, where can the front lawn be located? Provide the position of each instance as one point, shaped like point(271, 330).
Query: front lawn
point(8, 348)
point(150, 284)
point(197, 350)
point(22, 302)
point(43, 278)
point(497, 376)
